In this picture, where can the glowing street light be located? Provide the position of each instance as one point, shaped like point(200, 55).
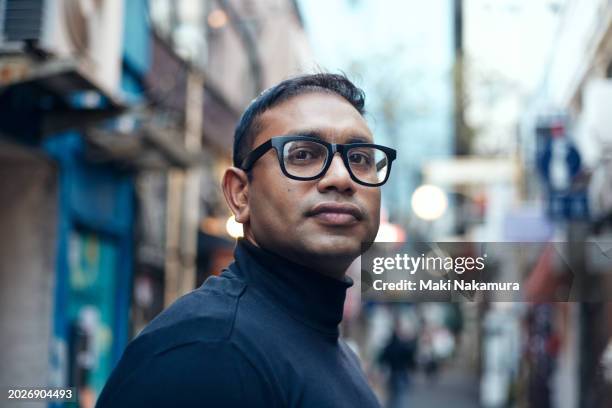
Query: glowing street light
point(233, 228)
point(217, 19)
point(429, 202)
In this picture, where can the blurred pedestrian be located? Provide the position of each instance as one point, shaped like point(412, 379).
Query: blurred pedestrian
point(399, 356)
point(428, 357)
point(305, 185)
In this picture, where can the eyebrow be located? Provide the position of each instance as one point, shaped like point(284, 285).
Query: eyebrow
point(316, 134)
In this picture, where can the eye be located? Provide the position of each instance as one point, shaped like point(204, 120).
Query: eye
point(360, 158)
point(302, 154)
point(305, 155)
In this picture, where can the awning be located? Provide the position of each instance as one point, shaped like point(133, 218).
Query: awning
point(147, 147)
point(52, 97)
point(44, 100)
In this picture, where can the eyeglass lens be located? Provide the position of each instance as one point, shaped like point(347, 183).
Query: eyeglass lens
point(303, 158)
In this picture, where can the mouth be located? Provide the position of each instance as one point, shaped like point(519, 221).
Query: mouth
point(336, 214)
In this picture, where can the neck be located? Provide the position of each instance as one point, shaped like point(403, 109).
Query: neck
point(327, 267)
point(311, 297)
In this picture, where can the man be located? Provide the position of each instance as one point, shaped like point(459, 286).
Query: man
point(305, 186)
point(398, 355)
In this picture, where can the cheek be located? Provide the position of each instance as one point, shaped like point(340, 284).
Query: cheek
point(273, 205)
point(263, 201)
point(372, 200)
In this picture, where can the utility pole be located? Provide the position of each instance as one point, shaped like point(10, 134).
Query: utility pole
point(182, 219)
point(462, 137)
point(191, 201)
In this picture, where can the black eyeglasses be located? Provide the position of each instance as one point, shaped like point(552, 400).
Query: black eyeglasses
point(306, 158)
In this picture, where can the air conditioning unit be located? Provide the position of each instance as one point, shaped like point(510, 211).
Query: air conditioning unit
point(89, 32)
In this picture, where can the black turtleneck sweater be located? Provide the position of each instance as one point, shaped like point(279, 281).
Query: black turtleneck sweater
point(262, 334)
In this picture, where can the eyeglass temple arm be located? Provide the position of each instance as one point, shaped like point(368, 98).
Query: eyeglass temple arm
point(381, 164)
point(254, 155)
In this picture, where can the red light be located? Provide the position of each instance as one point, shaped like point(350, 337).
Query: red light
point(557, 130)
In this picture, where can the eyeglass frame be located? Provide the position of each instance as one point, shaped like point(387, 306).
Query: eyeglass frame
point(278, 143)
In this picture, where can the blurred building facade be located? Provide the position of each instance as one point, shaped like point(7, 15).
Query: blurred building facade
point(534, 172)
point(116, 122)
point(565, 145)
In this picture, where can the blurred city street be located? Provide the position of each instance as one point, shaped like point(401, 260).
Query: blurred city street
point(454, 388)
point(117, 121)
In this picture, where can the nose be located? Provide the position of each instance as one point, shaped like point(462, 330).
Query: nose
point(337, 178)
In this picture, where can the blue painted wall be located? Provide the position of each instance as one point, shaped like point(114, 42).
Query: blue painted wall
point(136, 36)
point(97, 204)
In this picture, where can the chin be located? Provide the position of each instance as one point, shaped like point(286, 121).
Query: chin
point(336, 247)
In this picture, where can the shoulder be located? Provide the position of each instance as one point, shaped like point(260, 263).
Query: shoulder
point(205, 314)
point(194, 374)
point(351, 353)
point(188, 350)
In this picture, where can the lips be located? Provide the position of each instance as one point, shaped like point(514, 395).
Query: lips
point(337, 214)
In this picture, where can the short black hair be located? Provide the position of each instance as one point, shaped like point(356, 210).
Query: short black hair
point(248, 125)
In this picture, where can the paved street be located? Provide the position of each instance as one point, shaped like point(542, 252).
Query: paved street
point(454, 388)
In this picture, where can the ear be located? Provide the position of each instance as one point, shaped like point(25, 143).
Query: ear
point(235, 186)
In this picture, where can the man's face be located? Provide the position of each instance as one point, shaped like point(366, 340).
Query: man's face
point(306, 221)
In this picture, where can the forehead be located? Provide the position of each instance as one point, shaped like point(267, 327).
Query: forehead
point(328, 115)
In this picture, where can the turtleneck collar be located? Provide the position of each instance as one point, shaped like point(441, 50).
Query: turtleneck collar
point(310, 297)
